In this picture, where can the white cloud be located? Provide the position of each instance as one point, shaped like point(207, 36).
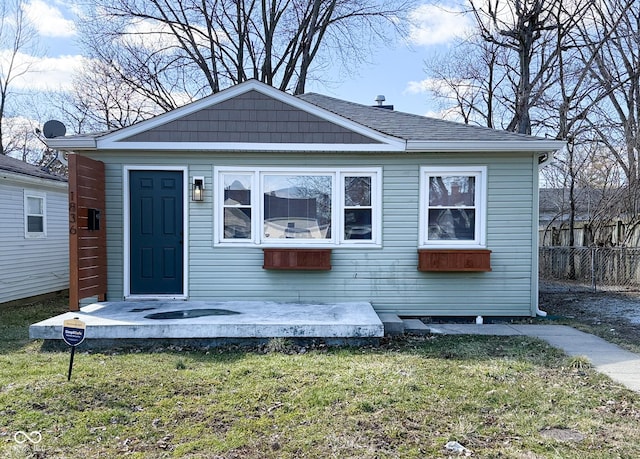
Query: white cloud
point(156, 36)
point(424, 86)
point(446, 110)
point(434, 25)
point(43, 74)
point(49, 20)
point(150, 35)
point(441, 86)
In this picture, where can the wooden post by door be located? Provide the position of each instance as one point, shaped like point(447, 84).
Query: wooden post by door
point(87, 231)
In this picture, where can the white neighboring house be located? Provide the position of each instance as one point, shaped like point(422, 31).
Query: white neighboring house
point(34, 231)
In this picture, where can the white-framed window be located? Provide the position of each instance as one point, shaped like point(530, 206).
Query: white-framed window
point(297, 207)
point(453, 202)
point(35, 214)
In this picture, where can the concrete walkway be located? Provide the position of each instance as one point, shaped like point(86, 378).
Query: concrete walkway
point(620, 365)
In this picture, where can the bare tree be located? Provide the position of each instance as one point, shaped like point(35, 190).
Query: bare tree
point(581, 109)
point(16, 37)
point(573, 95)
point(525, 27)
point(524, 67)
point(101, 101)
point(20, 139)
point(470, 82)
point(172, 51)
point(616, 69)
point(501, 73)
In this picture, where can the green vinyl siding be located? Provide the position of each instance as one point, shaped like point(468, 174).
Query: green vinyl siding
point(386, 276)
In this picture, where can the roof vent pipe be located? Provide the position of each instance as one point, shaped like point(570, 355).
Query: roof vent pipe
point(380, 100)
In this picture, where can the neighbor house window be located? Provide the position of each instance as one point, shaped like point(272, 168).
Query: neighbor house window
point(269, 206)
point(453, 206)
point(35, 224)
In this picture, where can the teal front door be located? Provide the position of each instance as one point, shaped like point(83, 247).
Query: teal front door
point(156, 232)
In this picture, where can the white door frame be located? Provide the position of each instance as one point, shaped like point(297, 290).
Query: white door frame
point(127, 231)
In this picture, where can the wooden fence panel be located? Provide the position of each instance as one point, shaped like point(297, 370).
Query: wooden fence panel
point(87, 231)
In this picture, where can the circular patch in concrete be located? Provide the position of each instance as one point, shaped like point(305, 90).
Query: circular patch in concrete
point(141, 309)
point(190, 314)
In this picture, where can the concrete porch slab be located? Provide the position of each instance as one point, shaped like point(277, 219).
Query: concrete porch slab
point(207, 319)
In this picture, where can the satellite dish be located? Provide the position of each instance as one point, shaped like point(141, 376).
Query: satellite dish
point(53, 128)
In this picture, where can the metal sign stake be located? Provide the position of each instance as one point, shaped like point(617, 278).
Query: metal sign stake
point(73, 352)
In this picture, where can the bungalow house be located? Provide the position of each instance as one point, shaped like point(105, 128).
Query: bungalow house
point(34, 239)
point(255, 194)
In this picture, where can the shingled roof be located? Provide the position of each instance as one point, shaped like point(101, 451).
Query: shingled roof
point(9, 164)
point(411, 127)
point(255, 116)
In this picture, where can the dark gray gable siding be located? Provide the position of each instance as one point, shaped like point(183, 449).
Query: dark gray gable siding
point(252, 117)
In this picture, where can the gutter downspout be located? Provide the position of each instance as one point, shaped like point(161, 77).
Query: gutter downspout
point(543, 161)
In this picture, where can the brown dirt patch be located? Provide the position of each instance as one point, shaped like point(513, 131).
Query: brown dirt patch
point(612, 315)
point(563, 434)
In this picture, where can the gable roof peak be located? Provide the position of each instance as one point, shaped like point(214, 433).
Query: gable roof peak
point(253, 116)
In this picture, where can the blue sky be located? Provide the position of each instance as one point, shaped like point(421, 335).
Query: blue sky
point(396, 72)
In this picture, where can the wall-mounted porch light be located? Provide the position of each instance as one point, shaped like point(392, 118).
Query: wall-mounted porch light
point(197, 191)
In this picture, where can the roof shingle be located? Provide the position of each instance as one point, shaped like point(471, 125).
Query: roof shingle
point(9, 164)
point(411, 127)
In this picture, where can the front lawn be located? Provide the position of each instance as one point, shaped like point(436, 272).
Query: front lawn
point(406, 398)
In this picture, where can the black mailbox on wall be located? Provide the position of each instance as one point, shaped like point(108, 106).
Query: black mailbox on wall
point(93, 223)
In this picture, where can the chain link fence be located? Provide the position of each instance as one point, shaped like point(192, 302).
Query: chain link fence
point(599, 267)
